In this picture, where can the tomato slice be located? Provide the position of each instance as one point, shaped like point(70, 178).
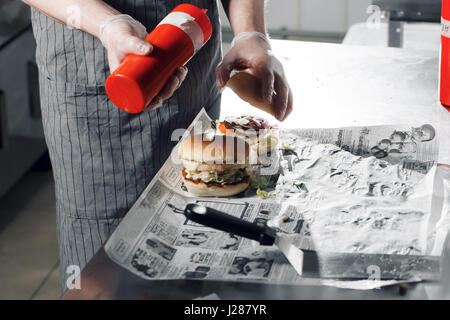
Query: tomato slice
point(222, 128)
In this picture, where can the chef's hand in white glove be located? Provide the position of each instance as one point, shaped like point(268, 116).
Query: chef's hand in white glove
point(122, 35)
point(252, 51)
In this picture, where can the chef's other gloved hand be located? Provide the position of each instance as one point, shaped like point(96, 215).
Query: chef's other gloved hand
point(252, 51)
point(122, 35)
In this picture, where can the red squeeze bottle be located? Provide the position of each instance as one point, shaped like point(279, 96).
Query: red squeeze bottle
point(444, 87)
point(175, 40)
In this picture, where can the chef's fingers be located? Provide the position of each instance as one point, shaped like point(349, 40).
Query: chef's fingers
point(168, 90)
point(139, 29)
point(281, 98)
point(173, 83)
point(229, 63)
point(265, 74)
point(290, 105)
point(118, 52)
point(156, 103)
point(135, 45)
point(114, 60)
point(223, 72)
point(182, 73)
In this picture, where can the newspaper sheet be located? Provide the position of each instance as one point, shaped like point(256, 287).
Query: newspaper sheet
point(357, 200)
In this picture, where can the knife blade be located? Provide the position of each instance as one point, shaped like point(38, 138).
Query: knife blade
point(265, 235)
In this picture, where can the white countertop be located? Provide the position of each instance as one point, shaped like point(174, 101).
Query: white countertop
point(338, 86)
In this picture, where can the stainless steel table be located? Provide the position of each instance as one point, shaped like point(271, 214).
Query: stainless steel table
point(334, 86)
point(103, 279)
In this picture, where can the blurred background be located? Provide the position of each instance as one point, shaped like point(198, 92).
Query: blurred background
point(28, 244)
point(299, 20)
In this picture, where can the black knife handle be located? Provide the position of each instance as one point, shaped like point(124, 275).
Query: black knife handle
point(218, 220)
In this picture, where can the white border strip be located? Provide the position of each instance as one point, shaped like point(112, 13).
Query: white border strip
point(445, 28)
point(186, 23)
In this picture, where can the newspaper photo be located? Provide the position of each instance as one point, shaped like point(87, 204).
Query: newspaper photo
point(359, 201)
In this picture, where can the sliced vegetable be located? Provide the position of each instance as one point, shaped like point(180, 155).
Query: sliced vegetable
point(231, 176)
point(256, 123)
point(287, 150)
point(301, 186)
point(262, 194)
point(222, 128)
point(246, 122)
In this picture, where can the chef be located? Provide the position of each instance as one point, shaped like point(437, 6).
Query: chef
point(102, 157)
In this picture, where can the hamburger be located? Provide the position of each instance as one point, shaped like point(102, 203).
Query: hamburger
point(256, 131)
point(215, 166)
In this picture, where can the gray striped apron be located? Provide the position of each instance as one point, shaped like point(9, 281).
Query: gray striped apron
point(102, 157)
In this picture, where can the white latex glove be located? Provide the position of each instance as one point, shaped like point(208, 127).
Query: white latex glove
point(122, 35)
point(252, 51)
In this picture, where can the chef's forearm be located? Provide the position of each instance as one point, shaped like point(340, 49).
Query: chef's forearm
point(86, 15)
point(245, 15)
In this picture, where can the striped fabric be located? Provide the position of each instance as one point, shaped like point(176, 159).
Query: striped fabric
point(102, 157)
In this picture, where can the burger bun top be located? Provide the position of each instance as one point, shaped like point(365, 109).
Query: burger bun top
point(219, 149)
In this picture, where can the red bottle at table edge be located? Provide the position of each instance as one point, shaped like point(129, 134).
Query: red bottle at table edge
point(444, 84)
point(175, 40)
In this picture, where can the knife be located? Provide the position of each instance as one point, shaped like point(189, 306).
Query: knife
point(265, 235)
